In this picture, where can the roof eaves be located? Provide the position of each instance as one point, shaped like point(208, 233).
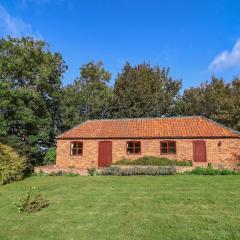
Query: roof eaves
point(220, 125)
point(61, 134)
point(162, 137)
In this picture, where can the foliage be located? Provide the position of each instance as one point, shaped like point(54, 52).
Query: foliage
point(92, 171)
point(216, 100)
point(12, 166)
point(32, 202)
point(50, 156)
point(56, 173)
point(144, 91)
point(88, 97)
point(212, 171)
point(30, 93)
point(153, 161)
point(138, 170)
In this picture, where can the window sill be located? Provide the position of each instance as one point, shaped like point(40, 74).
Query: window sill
point(168, 153)
point(133, 153)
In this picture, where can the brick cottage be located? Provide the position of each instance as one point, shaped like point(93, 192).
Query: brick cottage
point(98, 143)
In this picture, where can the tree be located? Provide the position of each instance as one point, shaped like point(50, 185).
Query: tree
point(12, 166)
point(235, 94)
point(88, 97)
point(144, 91)
point(216, 100)
point(30, 93)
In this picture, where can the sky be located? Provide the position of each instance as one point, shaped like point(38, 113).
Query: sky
point(194, 38)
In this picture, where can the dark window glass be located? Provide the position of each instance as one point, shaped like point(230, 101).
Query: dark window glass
point(168, 147)
point(133, 147)
point(137, 150)
point(172, 144)
point(130, 144)
point(172, 150)
point(164, 150)
point(164, 145)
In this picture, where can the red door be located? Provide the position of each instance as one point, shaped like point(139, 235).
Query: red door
point(105, 153)
point(199, 151)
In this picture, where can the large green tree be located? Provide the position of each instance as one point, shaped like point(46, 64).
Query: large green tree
point(216, 100)
point(30, 94)
point(88, 97)
point(144, 91)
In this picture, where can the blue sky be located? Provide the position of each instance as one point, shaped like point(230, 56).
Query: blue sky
point(194, 38)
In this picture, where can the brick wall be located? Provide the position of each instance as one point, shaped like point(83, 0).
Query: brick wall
point(219, 151)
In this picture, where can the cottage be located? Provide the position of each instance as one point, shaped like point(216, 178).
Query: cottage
point(98, 143)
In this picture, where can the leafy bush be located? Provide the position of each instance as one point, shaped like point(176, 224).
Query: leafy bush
point(153, 161)
point(212, 171)
point(138, 170)
point(56, 173)
point(50, 156)
point(12, 166)
point(32, 202)
point(92, 172)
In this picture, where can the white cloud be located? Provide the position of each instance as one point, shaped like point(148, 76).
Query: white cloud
point(226, 59)
point(15, 27)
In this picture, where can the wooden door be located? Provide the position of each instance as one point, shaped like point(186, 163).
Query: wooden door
point(105, 153)
point(199, 151)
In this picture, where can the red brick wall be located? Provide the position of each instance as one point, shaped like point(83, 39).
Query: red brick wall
point(225, 152)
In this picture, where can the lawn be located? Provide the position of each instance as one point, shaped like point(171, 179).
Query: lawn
point(141, 207)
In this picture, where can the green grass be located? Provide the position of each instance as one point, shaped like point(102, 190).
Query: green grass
point(153, 161)
point(180, 207)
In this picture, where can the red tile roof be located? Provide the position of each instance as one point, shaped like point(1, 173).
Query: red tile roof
point(172, 127)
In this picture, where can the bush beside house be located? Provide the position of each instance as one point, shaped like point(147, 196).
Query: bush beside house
point(153, 161)
point(50, 157)
point(138, 170)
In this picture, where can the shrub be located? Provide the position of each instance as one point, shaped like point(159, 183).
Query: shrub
point(33, 201)
point(57, 173)
point(138, 170)
point(12, 166)
point(212, 171)
point(50, 156)
point(153, 161)
point(92, 172)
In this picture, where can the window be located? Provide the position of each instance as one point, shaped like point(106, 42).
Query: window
point(134, 147)
point(76, 148)
point(168, 147)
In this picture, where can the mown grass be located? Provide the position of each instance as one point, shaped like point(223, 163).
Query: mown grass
point(140, 207)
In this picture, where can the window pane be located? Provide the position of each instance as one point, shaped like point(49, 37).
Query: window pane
point(74, 145)
point(80, 151)
point(80, 145)
point(130, 144)
point(130, 150)
point(164, 150)
point(74, 151)
point(164, 144)
point(137, 144)
point(137, 150)
point(172, 144)
point(172, 150)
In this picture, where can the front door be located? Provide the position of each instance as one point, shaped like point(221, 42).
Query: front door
point(199, 151)
point(105, 153)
